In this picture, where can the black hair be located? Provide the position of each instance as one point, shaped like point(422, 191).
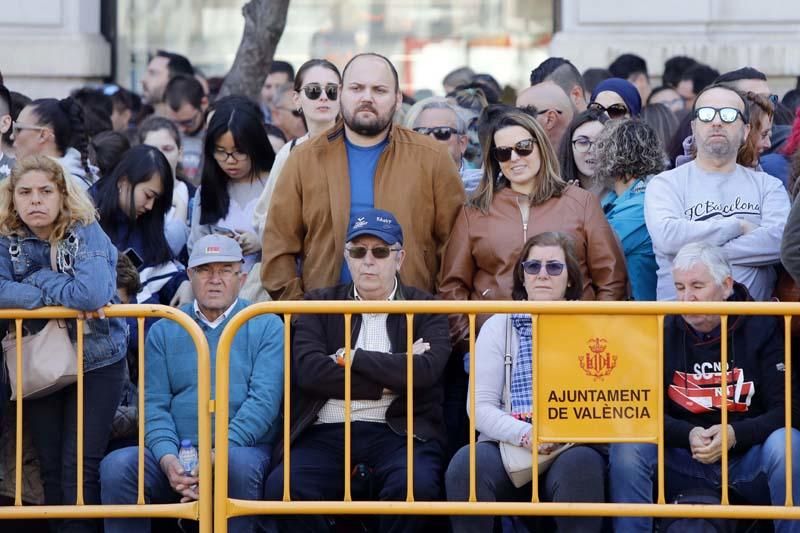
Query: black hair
point(373, 54)
point(561, 72)
point(675, 146)
point(308, 65)
point(674, 67)
point(243, 119)
point(123, 99)
point(5, 101)
point(157, 123)
point(18, 103)
point(176, 63)
point(745, 104)
point(97, 109)
point(181, 89)
point(783, 115)
point(593, 76)
point(66, 119)
point(701, 77)
point(275, 131)
point(487, 81)
point(791, 99)
point(656, 90)
point(107, 149)
point(566, 158)
point(282, 66)
point(744, 73)
point(137, 166)
point(627, 65)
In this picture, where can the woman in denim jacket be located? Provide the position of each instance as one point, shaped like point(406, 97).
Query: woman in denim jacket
point(40, 208)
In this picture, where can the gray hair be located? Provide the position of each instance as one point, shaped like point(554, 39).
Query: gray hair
point(627, 149)
point(709, 255)
point(435, 102)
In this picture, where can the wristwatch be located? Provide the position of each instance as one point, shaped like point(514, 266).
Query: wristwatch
point(340, 357)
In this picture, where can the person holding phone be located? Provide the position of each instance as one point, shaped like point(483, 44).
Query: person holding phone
point(238, 160)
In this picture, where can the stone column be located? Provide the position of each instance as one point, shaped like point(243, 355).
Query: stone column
point(725, 34)
point(52, 46)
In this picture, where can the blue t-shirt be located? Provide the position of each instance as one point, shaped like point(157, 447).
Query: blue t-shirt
point(361, 163)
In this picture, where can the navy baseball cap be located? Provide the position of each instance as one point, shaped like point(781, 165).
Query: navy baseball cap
point(375, 222)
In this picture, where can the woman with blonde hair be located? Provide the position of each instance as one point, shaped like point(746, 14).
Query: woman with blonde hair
point(522, 194)
point(42, 213)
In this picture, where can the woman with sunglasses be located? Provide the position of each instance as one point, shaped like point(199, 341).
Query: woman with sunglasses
point(547, 269)
point(628, 155)
point(316, 95)
point(521, 194)
point(237, 161)
point(616, 97)
point(576, 155)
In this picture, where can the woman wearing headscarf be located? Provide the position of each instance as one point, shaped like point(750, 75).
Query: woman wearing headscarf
point(618, 98)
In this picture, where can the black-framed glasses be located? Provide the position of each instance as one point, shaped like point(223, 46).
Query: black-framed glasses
point(728, 115)
point(314, 91)
point(295, 112)
point(440, 133)
point(222, 155)
point(532, 267)
point(543, 111)
point(582, 144)
point(613, 111)
point(523, 148)
point(378, 252)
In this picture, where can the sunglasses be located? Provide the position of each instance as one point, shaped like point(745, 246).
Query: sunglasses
point(440, 133)
point(314, 91)
point(728, 115)
point(523, 148)
point(378, 252)
point(613, 111)
point(534, 266)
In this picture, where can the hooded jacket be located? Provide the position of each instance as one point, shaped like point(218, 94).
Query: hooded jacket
point(755, 377)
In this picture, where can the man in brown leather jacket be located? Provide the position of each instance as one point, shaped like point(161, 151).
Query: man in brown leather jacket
point(362, 162)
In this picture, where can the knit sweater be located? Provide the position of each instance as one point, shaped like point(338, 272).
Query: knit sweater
point(256, 382)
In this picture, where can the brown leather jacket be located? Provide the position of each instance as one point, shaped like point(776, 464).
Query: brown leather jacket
point(303, 242)
point(480, 256)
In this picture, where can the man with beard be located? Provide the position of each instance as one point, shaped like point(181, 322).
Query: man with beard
point(362, 162)
point(713, 199)
point(162, 67)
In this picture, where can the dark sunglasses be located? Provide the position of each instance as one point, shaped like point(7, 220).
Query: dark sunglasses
point(440, 133)
point(314, 91)
point(613, 111)
point(523, 148)
point(533, 266)
point(728, 115)
point(378, 252)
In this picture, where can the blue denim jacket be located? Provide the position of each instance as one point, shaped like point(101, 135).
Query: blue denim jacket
point(86, 280)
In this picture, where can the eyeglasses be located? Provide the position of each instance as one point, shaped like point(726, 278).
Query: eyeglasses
point(543, 111)
point(378, 252)
point(440, 133)
point(534, 266)
point(207, 272)
point(16, 128)
point(314, 91)
point(222, 155)
point(613, 111)
point(523, 148)
point(189, 122)
point(728, 115)
point(295, 112)
point(582, 144)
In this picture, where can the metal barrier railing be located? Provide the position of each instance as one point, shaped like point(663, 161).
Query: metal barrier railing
point(226, 507)
point(198, 510)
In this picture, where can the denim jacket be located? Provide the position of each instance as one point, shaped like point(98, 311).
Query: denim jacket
point(86, 280)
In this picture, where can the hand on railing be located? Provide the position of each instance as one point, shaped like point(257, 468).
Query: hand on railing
point(706, 444)
point(184, 485)
point(89, 315)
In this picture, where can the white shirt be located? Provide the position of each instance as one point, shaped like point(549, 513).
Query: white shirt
point(220, 319)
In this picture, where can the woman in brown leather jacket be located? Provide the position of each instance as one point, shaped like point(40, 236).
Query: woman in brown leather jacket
point(520, 195)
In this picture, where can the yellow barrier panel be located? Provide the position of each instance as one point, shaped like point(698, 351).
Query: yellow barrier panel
point(543, 313)
point(200, 510)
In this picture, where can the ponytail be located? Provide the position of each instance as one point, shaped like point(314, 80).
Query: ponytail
point(65, 118)
point(79, 139)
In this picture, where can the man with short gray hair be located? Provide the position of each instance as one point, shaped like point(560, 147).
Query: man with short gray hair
point(693, 396)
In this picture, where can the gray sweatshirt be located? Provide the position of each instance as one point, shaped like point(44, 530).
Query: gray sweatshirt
point(688, 204)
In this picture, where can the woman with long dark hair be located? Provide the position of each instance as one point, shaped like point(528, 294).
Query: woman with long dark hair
point(238, 158)
point(576, 154)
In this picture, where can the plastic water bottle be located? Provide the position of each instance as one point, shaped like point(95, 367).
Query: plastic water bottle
point(187, 456)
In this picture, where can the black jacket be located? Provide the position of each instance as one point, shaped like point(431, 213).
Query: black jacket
point(317, 378)
point(755, 383)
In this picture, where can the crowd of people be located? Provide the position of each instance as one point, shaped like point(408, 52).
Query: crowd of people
point(336, 185)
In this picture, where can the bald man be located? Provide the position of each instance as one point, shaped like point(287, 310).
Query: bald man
point(553, 107)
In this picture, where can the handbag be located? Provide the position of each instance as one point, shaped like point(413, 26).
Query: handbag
point(50, 358)
point(518, 460)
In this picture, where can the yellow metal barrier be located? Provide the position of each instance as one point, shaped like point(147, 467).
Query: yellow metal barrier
point(199, 510)
point(225, 507)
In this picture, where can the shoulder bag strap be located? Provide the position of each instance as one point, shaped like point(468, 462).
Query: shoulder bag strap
point(54, 257)
point(507, 365)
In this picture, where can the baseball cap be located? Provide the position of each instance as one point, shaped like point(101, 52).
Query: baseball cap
point(215, 248)
point(375, 222)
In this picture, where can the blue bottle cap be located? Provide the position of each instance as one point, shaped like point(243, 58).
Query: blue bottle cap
point(186, 443)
